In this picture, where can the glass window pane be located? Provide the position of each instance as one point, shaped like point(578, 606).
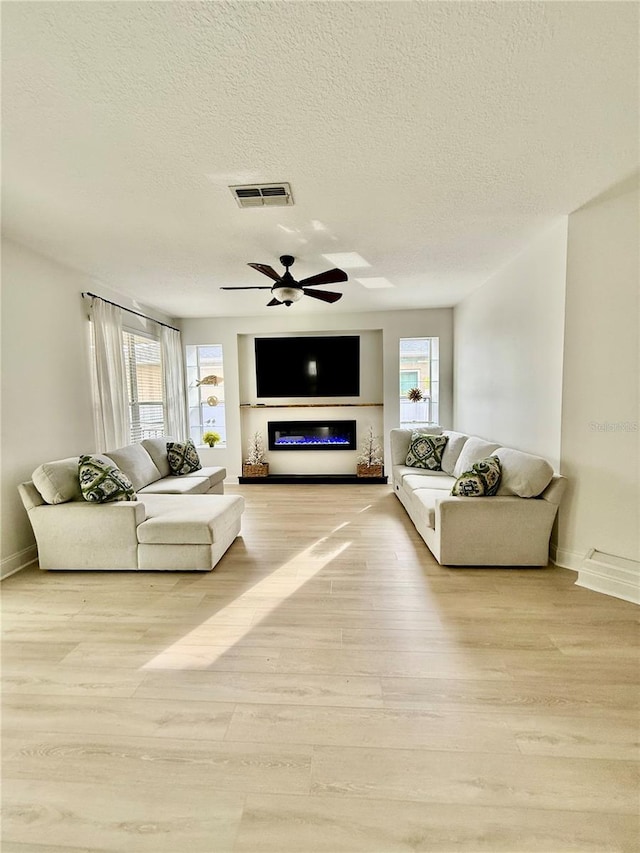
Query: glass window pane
point(419, 368)
point(408, 379)
point(205, 379)
point(143, 364)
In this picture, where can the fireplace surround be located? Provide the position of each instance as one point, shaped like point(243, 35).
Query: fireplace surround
point(312, 435)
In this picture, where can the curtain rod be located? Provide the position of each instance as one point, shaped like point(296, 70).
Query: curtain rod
point(137, 313)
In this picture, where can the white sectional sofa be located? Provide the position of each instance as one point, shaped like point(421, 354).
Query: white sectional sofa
point(183, 522)
point(512, 528)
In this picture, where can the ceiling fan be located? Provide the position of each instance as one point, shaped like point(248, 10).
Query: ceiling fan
point(287, 290)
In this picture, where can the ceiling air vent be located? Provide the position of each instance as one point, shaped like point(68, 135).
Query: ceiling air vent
point(263, 195)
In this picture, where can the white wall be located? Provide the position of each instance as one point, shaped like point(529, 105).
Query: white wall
point(600, 438)
point(508, 350)
point(392, 325)
point(46, 393)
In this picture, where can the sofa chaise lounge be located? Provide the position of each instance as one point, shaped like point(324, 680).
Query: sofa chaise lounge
point(512, 528)
point(176, 523)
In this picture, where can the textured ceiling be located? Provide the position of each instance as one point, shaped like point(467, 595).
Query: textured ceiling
point(434, 139)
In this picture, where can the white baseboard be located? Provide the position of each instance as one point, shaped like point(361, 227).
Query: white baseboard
point(566, 559)
point(604, 573)
point(16, 562)
point(611, 575)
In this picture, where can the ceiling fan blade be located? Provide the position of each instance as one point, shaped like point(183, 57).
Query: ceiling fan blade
point(326, 277)
point(265, 269)
point(274, 301)
point(324, 295)
point(265, 287)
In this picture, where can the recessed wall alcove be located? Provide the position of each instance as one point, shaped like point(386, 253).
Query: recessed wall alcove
point(365, 409)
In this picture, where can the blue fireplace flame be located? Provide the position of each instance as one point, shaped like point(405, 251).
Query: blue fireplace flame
point(312, 435)
point(312, 439)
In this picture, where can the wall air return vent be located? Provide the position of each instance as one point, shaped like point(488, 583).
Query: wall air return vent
point(263, 195)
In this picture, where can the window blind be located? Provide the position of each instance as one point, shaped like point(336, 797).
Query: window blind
point(143, 363)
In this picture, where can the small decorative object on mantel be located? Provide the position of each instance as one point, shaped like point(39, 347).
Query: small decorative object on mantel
point(212, 379)
point(211, 438)
point(254, 465)
point(414, 394)
point(370, 458)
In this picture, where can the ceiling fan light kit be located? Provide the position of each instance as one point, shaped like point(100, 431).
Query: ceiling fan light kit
point(287, 290)
point(287, 295)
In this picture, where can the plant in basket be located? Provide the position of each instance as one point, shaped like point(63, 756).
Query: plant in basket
point(255, 465)
point(369, 462)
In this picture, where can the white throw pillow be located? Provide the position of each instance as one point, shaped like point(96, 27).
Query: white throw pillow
point(523, 474)
point(453, 449)
point(136, 464)
point(473, 451)
point(57, 481)
point(157, 450)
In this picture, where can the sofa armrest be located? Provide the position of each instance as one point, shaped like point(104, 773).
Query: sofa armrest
point(399, 444)
point(501, 530)
point(81, 535)
point(554, 491)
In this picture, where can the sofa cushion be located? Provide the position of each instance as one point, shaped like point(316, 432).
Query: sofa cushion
point(474, 450)
point(482, 480)
point(424, 503)
point(136, 464)
point(183, 457)
point(523, 474)
point(58, 481)
point(188, 519)
point(157, 450)
point(425, 451)
point(429, 480)
point(214, 474)
point(101, 482)
point(177, 486)
point(452, 450)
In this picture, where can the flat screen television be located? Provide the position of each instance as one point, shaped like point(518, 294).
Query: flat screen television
point(326, 366)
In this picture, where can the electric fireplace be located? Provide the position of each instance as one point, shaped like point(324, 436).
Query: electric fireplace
point(312, 435)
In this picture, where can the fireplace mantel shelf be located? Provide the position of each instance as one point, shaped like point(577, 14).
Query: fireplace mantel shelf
point(304, 405)
point(314, 479)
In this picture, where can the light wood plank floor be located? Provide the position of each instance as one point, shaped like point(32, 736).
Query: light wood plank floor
point(327, 688)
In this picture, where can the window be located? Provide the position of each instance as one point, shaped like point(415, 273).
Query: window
point(419, 368)
point(206, 400)
point(143, 365)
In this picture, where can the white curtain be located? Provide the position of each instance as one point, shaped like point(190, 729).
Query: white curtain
point(175, 406)
point(111, 405)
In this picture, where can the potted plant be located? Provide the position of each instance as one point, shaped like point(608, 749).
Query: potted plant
point(255, 465)
point(211, 438)
point(370, 458)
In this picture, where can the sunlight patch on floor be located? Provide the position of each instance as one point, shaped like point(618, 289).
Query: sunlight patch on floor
point(312, 560)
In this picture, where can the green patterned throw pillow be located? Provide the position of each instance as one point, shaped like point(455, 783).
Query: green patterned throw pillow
point(482, 481)
point(102, 483)
point(183, 457)
point(425, 451)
